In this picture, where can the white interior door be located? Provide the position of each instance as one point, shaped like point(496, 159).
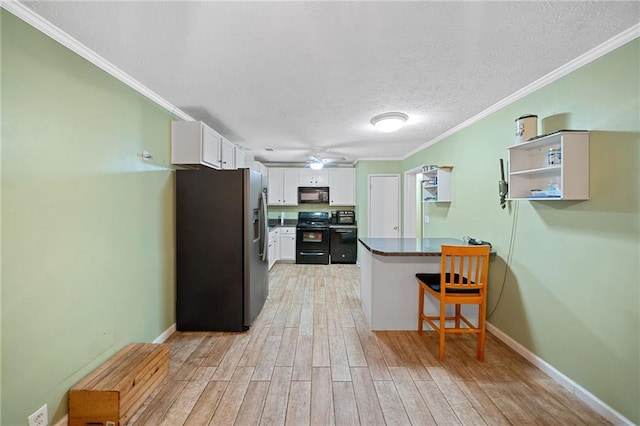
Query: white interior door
point(384, 206)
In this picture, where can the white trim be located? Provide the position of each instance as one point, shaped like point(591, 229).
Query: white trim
point(381, 159)
point(160, 339)
point(46, 27)
point(63, 421)
point(590, 399)
point(582, 60)
point(409, 229)
point(165, 334)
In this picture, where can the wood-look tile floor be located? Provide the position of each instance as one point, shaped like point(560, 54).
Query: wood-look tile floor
point(310, 359)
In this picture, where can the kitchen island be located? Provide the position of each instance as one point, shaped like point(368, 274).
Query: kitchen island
point(388, 285)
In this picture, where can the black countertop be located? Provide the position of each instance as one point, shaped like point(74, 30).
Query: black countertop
point(409, 246)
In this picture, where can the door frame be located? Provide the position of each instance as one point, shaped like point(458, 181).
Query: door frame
point(410, 219)
point(369, 199)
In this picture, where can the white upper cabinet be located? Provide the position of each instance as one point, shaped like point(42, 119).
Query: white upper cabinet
point(550, 167)
point(342, 187)
point(193, 142)
point(274, 190)
point(310, 177)
point(227, 154)
point(240, 158)
point(283, 186)
point(291, 178)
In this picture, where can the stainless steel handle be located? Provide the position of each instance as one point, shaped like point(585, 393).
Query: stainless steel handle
point(265, 219)
point(302, 253)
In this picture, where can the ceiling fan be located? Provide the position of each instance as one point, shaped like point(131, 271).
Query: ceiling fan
point(318, 158)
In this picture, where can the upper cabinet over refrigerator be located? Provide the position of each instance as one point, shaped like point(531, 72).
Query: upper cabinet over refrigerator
point(193, 142)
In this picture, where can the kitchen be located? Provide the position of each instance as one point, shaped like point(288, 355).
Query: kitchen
point(88, 247)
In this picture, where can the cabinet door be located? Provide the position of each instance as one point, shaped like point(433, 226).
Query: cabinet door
point(274, 194)
point(227, 155)
point(288, 246)
point(342, 187)
point(310, 177)
point(210, 147)
point(276, 242)
point(291, 179)
point(240, 158)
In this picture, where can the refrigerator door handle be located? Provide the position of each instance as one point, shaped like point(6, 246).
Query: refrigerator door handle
point(265, 221)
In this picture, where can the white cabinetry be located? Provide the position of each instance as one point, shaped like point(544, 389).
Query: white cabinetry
point(283, 186)
point(193, 142)
point(240, 157)
point(227, 155)
point(291, 178)
point(274, 191)
point(342, 184)
point(310, 177)
point(288, 243)
point(554, 167)
point(436, 184)
point(273, 248)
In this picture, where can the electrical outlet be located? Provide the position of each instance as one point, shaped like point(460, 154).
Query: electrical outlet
point(40, 417)
point(426, 219)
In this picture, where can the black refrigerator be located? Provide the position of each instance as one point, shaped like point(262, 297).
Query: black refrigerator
point(221, 240)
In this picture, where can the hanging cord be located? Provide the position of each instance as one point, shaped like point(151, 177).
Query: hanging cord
point(514, 225)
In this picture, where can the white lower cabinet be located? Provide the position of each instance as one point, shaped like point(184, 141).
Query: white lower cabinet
point(288, 243)
point(273, 248)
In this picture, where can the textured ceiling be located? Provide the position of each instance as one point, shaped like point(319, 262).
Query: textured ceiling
point(294, 76)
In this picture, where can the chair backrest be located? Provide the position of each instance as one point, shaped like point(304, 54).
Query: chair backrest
point(466, 267)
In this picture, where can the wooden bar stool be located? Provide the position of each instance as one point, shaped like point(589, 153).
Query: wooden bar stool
point(463, 277)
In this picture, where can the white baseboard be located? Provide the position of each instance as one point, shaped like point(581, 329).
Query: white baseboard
point(63, 421)
point(165, 334)
point(590, 399)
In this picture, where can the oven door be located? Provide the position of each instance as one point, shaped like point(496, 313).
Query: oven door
point(312, 246)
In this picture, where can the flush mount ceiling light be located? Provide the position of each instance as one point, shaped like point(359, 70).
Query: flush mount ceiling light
point(316, 166)
point(389, 121)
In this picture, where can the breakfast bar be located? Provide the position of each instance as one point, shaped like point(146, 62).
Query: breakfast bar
point(388, 286)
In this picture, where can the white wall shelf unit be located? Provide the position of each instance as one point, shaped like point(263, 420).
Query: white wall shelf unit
point(550, 167)
point(436, 184)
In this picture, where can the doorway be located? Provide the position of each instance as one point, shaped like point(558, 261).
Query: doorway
point(384, 206)
point(413, 213)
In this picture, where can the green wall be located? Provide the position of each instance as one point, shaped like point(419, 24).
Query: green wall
point(571, 292)
point(363, 170)
point(87, 225)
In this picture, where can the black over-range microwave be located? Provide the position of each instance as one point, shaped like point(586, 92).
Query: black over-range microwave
point(312, 194)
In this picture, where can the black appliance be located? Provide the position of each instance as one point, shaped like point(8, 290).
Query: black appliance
point(344, 248)
point(345, 217)
point(312, 238)
point(312, 194)
point(221, 239)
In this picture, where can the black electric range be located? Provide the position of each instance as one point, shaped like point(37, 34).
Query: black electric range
point(313, 238)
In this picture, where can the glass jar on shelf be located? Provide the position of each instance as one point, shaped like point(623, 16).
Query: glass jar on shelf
point(554, 157)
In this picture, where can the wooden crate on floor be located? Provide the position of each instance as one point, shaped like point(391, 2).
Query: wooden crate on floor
point(113, 392)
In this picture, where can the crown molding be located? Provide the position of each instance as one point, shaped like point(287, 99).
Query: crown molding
point(30, 17)
point(582, 60)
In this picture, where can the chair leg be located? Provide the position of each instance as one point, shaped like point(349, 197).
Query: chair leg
point(443, 314)
point(420, 307)
point(481, 334)
point(457, 315)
